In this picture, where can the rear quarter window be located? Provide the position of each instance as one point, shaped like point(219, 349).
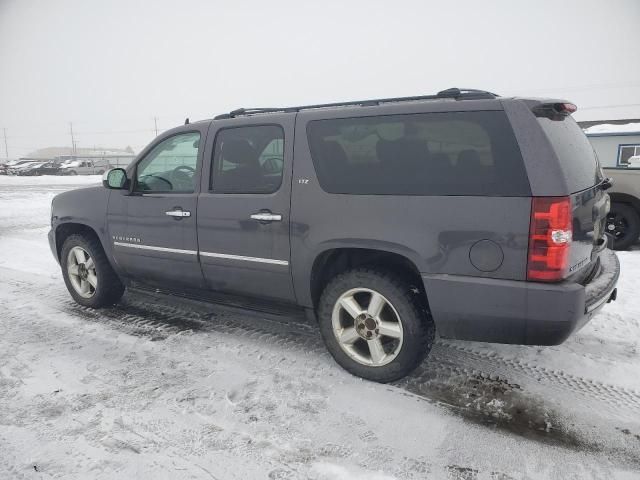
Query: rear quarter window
point(452, 153)
point(577, 159)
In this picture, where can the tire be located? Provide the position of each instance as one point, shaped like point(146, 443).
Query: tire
point(105, 289)
point(403, 309)
point(623, 223)
point(73, 172)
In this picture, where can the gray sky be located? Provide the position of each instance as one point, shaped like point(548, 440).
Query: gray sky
point(110, 67)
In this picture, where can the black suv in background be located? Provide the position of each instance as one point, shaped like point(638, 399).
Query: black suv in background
point(465, 213)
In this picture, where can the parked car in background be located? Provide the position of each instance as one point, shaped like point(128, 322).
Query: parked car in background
point(634, 162)
point(6, 169)
point(84, 167)
point(31, 169)
point(22, 166)
point(48, 168)
point(623, 220)
point(480, 216)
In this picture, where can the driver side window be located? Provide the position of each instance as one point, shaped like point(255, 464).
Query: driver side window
point(170, 166)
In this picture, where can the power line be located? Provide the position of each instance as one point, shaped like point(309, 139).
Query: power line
point(118, 132)
point(82, 132)
point(578, 87)
point(610, 106)
point(155, 122)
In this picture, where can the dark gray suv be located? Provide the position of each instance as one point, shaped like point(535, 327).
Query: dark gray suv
point(463, 213)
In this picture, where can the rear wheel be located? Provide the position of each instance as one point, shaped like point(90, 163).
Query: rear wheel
point(73, 172)
point(623, 223)
point(374, 325)
point(87, 273)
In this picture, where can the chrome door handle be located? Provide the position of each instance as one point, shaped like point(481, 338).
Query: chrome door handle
point(178, 213)
point(267, 217)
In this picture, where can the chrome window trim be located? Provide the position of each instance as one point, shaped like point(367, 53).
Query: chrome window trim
point(245, 259)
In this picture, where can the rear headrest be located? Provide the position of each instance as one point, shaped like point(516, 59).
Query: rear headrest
point(240, 152)
point(385, 150)
point(439, 161)
point(334, 156)
point(469, 159)
point(334, 152)
point(403, 151)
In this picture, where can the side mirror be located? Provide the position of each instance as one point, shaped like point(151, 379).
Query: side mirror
point(115, 179)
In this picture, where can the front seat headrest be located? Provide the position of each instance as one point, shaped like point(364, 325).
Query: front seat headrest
point(239, 152)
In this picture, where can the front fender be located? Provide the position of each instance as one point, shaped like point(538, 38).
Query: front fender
point(85, 207)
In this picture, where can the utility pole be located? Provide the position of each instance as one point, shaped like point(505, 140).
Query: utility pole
point(155, 122)
point(73, 142)
point(6, 149)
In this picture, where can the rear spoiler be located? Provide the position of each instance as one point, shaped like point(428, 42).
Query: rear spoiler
point(554, 110)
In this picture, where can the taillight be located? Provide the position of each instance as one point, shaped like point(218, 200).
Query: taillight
point(566, 108)
point(555, 111)
point(549, 239)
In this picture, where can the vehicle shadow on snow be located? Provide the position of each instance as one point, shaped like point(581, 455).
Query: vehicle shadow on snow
point(479, 397)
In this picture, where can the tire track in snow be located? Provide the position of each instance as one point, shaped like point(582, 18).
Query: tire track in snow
point(471, 360)
point(9, 468)
point(158, 316)
point(445, 354)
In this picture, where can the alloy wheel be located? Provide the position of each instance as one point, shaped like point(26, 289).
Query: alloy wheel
point(82, 272)
point(367, 327)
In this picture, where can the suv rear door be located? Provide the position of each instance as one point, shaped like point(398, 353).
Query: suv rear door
point(561, 162)
point(243, 208)
point(583, 177)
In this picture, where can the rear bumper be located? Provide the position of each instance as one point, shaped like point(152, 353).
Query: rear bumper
point(508, 311)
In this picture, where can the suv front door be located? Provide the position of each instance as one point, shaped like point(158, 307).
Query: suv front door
point(153, 227)
point(243, 209)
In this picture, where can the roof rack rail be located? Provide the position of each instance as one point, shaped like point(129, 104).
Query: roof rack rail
point(453, 93)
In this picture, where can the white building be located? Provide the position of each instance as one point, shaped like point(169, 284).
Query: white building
point(615, 144)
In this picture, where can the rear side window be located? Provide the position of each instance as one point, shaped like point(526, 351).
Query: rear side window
point(248, 159)
point(452, 153)
point(575, 153)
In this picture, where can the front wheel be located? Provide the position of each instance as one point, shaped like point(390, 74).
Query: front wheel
point(374, 324)
point(87, 273)
point(623, 223)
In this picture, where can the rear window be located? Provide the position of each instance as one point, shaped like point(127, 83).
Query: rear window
point(452, 153)
point(577, 158)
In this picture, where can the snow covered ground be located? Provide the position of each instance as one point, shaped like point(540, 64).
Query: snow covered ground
point(160, 388)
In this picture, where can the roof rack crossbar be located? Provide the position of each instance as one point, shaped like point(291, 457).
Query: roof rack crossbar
point(453, 93)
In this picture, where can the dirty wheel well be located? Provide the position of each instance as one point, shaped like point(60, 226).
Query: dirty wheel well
point(335, 261)
point(64, 231)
